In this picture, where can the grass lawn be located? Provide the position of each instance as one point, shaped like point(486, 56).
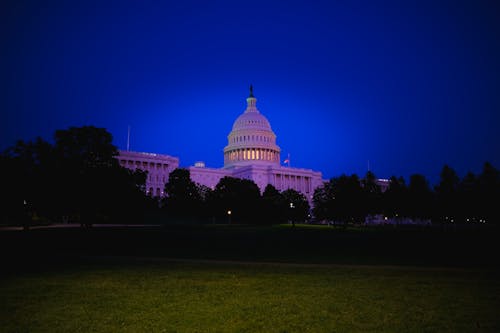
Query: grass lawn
point(166, 296)
point(327, 280)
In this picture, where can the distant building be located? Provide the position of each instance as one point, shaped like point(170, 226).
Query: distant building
point(157, 166)
point(251, 153)
point(383, 184)
point(380, 219)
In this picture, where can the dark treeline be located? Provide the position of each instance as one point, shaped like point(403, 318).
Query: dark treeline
point(233, 200)
point(78, 179)
point(472, 199)
point(75, 179)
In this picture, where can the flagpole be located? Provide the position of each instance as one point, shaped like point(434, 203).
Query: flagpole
point(287, 161)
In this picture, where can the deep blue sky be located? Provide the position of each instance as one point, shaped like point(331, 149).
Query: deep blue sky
point(407, 85)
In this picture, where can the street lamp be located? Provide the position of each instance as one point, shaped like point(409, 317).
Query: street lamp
point(292, 206)
point(229, 216)
point(26, 215)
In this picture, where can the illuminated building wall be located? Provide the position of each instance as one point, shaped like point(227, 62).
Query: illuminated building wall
point(251, 153)
point(157, 166)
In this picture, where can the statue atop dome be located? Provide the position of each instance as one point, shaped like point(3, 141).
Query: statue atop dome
point(251, 92)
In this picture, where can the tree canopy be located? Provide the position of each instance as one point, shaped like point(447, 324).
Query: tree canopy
point(453, 200)
point(76, 177)
point(79, 177)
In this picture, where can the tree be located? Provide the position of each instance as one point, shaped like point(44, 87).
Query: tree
point(27, 174)
point(240, 196)
point(183, 198)
point(447, 195)
point(420, 197)
point(489, 193)
point(394, 200)
point(13, 198)
point(298, 206)
point(85, 159)
point(127, 200)
point(468, 198)
point(340, 199)
point(86, 147)
point(273, 205)
point(323, 201)
point(206, 195)
point(77, 176)
point(371, 195)
point(348, 199)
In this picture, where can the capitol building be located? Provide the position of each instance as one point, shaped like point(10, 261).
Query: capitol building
point(251, 153)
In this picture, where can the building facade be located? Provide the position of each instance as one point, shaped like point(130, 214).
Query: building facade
point(157, 166)
point(251, 153)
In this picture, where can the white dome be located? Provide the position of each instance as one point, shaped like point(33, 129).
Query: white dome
point(251, 141)
point(252, 120)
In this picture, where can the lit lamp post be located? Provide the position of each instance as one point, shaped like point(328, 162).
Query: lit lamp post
point(229, 216)
point(291, 213)
point(26, 215)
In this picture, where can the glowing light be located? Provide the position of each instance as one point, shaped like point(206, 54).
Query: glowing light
point(199, 164)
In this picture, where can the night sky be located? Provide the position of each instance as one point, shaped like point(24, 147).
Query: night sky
point(405, 85)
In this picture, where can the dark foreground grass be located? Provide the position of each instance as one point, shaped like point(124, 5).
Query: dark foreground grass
point(201, 297)
point(300, 244)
